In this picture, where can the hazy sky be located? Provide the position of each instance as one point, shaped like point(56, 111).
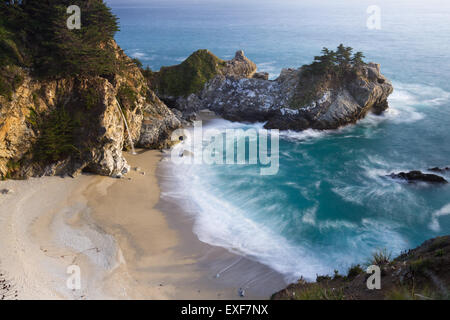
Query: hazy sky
point(143, 3)
point(150, 2)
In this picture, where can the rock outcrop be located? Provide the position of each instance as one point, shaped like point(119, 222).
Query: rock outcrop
point(239, 67)
point(291, 102)
point(65, 126)
point(178, 86)
point(418, 274)
point(418, 176)
point(439, 170)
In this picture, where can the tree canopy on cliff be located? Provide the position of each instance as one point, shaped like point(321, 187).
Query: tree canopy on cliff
point(188, 77)
point(339, 62)
point(34, 34)
point(328, 70)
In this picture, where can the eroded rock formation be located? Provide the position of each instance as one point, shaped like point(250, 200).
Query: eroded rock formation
point(274, 102)
point(61, 127)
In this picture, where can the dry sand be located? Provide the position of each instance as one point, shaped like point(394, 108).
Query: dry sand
point(124, 247)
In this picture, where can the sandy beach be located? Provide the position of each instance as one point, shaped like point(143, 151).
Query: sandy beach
point(125, 241)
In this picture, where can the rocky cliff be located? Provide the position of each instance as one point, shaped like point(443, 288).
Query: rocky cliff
point(296, 100)
point(179, 85)
point(71, 124)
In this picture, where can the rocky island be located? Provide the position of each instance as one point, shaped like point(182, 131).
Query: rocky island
point(335, 90)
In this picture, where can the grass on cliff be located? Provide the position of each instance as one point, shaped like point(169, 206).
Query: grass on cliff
point(314, 291)
point(127, 96)
point(188, 77)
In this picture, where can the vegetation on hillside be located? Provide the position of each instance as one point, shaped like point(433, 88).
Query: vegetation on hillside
point(418, 274)
point(339, 63)
point(35, 40)
point(34, 34)
point(327, 70)
point(56, 135)
point(188, 77)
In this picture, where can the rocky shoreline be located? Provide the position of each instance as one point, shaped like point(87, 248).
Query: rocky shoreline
point(248, 96)
point(71, 125)
point(66, 126)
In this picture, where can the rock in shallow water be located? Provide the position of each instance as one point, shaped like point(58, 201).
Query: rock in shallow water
point(418, 176)
point(440, 170)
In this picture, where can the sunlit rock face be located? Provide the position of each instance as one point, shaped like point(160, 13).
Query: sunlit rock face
point(65, 126)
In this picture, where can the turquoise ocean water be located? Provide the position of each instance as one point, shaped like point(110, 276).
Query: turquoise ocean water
point(330, 205)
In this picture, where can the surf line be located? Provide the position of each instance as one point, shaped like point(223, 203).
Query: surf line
point(211, 146)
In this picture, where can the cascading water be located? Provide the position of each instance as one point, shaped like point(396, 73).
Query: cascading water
point(126, 127)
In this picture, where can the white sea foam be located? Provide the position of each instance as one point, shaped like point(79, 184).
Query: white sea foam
point(409, 102)
point(180, 59)
point(221, 222)
point(218, 222)
point(380, 234)
point(270, 68)
point(309, 216)
point(434, 224)
point(138, 54)
point(305, 135)
point(419, 94)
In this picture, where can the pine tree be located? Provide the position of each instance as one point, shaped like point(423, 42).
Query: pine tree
point(357, 59)
point(56, 51)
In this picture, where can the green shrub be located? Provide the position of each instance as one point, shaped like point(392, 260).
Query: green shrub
point(354, 271)
point(399, 293)
point(381, 257)
point(137, 62)
point(127, 96)
point(419, 266)
point(56, 135)
point(91, 98)
point(439, 253)
point(337, 275)
point(12, 166)
point(323, 278)
point(5, 88)
point(188, 77)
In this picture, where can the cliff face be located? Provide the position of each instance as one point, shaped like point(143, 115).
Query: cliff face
point(59, 127)
point(178, 85)
point(295, 101)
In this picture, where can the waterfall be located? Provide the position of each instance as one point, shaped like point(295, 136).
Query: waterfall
point(127, 128)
